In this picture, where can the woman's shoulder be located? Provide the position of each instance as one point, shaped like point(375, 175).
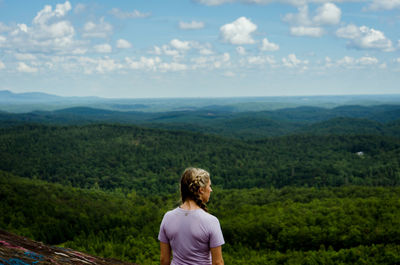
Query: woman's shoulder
point(208, 216)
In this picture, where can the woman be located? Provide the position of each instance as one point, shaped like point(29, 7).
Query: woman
point(193, 234)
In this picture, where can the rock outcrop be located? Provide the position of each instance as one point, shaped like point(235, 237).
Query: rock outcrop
point(17, 250)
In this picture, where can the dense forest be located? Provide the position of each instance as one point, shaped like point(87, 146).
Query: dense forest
point(322, 188)
point(348, 225)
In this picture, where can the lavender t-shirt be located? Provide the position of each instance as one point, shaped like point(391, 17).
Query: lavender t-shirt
point(190, 234)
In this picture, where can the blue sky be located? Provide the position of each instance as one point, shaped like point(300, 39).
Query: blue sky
point(200, 48)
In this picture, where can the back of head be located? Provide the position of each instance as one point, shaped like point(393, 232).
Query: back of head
point(191, 181)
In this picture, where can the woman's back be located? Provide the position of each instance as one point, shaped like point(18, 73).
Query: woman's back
point(191, 234)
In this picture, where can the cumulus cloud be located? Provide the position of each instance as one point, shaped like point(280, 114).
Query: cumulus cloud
point(301, 18)
point(103, 48)
point(367, 60)
point(304, 25)
point(48, 33)
point(180, 45)
point(292, 61)
point(123, 44)
point(191, 25)
point(268, 46)
point(173, 66)
point(44, 15)
point(100, 30)
point(365, 38)
point(144, 63)
point(261, 60)
point(107, 65)
point(328, 14)
point(123, 15)
point(307, 31)
point(23, 67)
point(238, 32)
point(2, 65)
point(351, 62)
point(384, 5)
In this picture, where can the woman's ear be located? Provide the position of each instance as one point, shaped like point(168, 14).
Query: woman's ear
point(201, 190)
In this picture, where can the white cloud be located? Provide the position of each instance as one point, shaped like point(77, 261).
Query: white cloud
point(347, 60)
point(268, 46)
point(351, 62)
point(303, 25)
point(48, 33)
point(240, 50)
point(301, 18)
point(349, 32)
point(100, 30)
point(328, 14)
point(367, 60)
point(25, 57)
point(123, 15)
point(123, 44)
point(44, 15)
point(292, 61)
point(260, 60)
point(144, 63)
point(180, 45)
point(103, 48)
point(107, 65)
point(398, 60)
point(238, 32)
point(384, 4)
point(191, 25)
point(23, 67)
point(307, 31)
point(2, 65)
point(365, 38)
point(55, 31)
point(172, 67)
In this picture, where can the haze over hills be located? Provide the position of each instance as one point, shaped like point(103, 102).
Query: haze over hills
point(381, 120)
point(34, 101)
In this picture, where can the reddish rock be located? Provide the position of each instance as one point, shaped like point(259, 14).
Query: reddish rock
point(18, 250)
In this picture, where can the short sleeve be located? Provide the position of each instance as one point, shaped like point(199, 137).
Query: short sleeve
point(216, 237)
point(162, 235)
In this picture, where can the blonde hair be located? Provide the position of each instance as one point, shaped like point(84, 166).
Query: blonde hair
point(191, 181)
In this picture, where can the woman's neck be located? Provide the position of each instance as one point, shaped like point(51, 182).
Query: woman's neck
point(189, 205)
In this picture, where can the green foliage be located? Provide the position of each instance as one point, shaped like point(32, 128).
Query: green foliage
point(150, 161)
point(346, 225)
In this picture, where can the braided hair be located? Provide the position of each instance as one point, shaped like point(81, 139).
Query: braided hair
point(191, 181)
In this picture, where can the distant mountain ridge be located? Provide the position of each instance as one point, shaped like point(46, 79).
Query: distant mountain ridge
point(32, 101)
point(381, 120)
point(7, 96)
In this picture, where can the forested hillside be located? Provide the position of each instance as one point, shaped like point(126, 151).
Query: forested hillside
point(323, 190)
point(352, 225)
point(150, 160)
point(376, 120)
